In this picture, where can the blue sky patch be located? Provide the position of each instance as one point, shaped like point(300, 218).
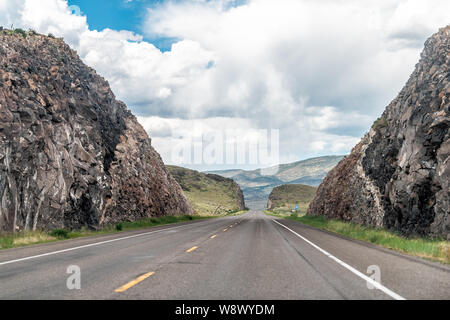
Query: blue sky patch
point(120, 15)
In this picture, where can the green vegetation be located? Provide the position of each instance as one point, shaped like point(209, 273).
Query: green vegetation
point(379, 123)
point(13, 31)
point(433, 249)
point(208, 194)
point(36, 237)
point(284, 198)
point(60, 234)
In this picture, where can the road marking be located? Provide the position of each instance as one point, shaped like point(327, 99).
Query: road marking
point(212, 237)
point(88, 245)
point(342, 263)
point(191, 249)
point(225, 230)
point(134, 282)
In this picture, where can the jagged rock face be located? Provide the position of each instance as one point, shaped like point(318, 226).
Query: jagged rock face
point(71, 155)
point(398, 175)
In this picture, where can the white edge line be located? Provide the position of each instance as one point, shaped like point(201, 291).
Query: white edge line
point(359, 274)
point(87, 246)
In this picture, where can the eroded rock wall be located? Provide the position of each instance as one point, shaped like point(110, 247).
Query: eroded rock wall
point(398, 175)
point(71, 155)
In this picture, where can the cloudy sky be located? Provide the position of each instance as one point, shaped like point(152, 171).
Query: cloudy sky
point(319, 71)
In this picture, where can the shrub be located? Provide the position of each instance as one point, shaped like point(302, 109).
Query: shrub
point(51, 35)
point(21, 32)
point(59, 233)
point(119, 227)
point(6, 242)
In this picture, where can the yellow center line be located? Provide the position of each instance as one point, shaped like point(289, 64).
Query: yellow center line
point(191, 249)
point(225, 230)
point(134, 282)
point(212, 237)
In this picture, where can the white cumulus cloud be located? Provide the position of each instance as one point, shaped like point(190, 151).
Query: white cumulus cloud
point(320, 71)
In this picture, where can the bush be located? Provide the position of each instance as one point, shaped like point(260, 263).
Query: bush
point(59, 233)
point(119, 227)
point(294, 215)
point(51, 35)
point(21, 32)
point(6, 242)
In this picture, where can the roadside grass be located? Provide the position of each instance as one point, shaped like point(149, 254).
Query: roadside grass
point(432, 249)
point(21, 239)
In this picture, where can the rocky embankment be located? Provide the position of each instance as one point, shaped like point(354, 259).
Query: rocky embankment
point(398, 175)
point(71, 155)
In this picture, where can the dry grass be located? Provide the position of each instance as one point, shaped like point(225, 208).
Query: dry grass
point(32, 238)
point(21, 239)
point(432, 249)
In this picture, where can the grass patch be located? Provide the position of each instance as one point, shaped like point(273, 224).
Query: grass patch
point(433, 249)
point(8, 241)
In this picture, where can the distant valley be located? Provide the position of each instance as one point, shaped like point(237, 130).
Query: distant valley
point(257, 186)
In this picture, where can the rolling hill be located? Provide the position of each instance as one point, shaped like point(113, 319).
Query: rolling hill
point(209, 194)
point(286, 197)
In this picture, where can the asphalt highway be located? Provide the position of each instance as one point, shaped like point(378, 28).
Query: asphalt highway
point(252, 256)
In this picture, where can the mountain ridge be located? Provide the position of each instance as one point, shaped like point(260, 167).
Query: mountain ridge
point(257, 186)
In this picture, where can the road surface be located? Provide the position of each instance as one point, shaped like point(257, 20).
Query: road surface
point(253, 256)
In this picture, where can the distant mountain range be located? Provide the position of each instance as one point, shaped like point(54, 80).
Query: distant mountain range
point(257, 186)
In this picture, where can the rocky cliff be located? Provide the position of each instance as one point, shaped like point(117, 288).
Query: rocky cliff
point(398, 175)
point(71, 155)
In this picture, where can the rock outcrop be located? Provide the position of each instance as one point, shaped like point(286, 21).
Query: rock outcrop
point(398, 175)
point(71, 155)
